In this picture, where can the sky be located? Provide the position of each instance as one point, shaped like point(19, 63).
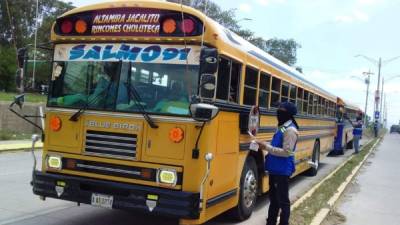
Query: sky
point(331, 33)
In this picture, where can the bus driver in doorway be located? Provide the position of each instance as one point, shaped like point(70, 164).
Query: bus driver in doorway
point(279, 162)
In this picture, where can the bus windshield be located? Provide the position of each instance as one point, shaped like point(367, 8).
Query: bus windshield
point(100, 85)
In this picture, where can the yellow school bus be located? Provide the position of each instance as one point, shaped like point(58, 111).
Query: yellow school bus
point(148, 110)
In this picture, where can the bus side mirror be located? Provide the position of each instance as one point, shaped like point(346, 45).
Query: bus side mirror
point(208, 61)
point(203, 112)
point(207, 86)
point(19, 100)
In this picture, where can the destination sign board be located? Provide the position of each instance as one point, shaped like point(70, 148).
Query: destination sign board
point(120, 22)
point(146, 53)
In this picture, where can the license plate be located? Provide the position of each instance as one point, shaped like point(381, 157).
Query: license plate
point(104, 201)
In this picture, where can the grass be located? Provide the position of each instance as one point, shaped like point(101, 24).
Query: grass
point(29, 97)
point(12, 135)
point(306, 211)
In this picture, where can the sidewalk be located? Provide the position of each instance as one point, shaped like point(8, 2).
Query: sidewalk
point(17, 145)
point(373, 197)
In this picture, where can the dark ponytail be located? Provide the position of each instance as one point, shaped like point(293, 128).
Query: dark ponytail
point(295, 123)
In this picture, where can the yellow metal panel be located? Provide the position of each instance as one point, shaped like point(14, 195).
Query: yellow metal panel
point(68, 138)
point(159, 144)
point(228, 134)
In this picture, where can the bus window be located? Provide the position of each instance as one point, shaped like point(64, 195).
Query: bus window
point(300, 100)
point(285, 92)
point(265, 83)
point(326, 108)
point(315, 105)
point(305, 102)
point(322, 107)
point(275, 92)
point(292, 94)
point(235, 82)
point(250, 86)
point(228, 80)
point(333, 109)
point(224, 70)
point(311, 104)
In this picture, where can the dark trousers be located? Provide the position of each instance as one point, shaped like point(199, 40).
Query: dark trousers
point(279, 200)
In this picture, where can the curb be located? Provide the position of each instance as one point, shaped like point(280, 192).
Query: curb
point(312, 190)
point(323, 213)
point(17, 147)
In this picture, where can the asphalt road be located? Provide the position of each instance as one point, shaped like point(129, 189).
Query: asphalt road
point(373, 197)
point(18, 205)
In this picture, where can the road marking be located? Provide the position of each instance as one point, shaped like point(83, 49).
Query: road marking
point(320, 216)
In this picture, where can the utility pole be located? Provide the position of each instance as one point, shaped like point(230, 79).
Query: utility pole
point(34, 53)
point(367, 82)
point(377, 91)
point(385, 109)
point(381, 104)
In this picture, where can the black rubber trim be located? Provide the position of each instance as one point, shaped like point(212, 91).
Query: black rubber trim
point(245, 109)
point(130, 197)
point(220, 198)
point(315, 136)
point(246, 146)
point(153, 171)
point(270, 129)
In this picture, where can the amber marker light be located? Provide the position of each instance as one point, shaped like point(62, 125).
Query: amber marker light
point(176, 134)
point(55, 123)
point(169, 26)
point(80, 26)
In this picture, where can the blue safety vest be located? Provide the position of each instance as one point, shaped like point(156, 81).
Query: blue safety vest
point(357, 130)
point(277, 165)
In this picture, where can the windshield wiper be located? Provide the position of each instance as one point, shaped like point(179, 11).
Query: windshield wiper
point(133, 93)
point(81, 110)
point(137, 101)
point(76, 115)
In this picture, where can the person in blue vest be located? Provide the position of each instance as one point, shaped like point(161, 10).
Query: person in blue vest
point(357, 133)
point(279, 163)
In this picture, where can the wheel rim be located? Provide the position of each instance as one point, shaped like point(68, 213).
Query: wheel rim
point(249, 188)
point(316, 157)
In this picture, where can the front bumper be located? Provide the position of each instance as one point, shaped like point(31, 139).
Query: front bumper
point(131, 197)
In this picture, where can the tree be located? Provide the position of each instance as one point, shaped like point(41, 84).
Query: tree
point(18, 18)
point(284, 50)
point(7, 68)
point(17, 29)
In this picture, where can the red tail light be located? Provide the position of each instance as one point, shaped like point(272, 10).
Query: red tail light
point(66, 27)
point(187, 26)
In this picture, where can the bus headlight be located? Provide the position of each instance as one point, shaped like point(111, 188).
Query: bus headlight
point(167, 177)
point(54, 162)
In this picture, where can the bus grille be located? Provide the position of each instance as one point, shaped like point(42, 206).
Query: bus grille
point(113, 145)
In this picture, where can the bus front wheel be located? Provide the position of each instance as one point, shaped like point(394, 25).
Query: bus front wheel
point(248, 190)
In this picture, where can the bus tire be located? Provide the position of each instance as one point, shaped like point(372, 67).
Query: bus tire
point(315, 160)
point(247, 191)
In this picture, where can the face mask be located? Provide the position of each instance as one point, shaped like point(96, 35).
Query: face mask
point(282, 117)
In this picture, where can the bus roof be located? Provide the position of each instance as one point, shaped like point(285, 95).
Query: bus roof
point(234, 40)
point(212, 27)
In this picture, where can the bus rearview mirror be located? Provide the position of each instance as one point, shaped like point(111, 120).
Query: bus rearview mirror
point(203, 112)
point(208, 60)
point(207, 86)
